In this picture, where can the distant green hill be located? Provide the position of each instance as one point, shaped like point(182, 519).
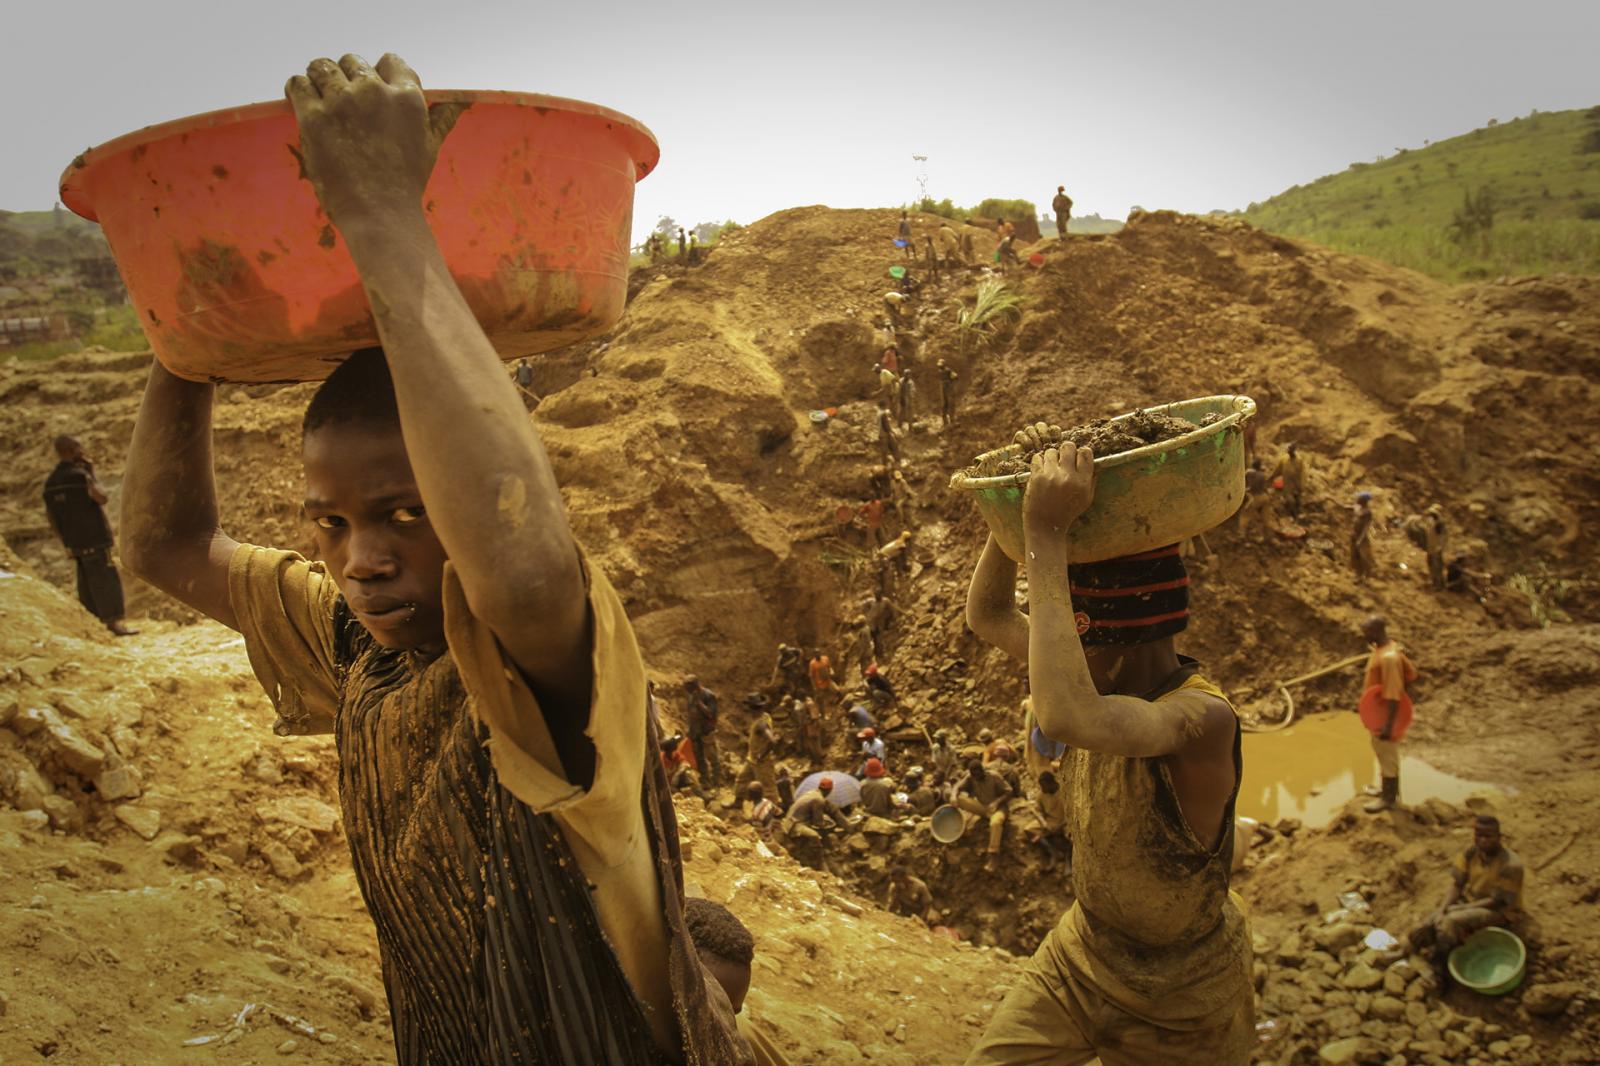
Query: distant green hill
point(1542, 174)
point(33, 243)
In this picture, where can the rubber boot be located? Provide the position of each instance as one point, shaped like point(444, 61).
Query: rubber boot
point(1387, 799)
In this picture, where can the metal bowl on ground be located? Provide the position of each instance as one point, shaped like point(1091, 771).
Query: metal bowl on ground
point(1145, 498)
point(947, 825)
point(237, 275)
point(1491, 962)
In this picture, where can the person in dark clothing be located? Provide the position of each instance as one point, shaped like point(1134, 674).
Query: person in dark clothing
point(947, 384)
point(1062, 206)
point(683, 244)
point(702, 722)
point(75, 503)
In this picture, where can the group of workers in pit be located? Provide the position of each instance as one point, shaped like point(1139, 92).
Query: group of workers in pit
point(452, 633)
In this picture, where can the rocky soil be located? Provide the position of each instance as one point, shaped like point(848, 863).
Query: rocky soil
point(172, 863)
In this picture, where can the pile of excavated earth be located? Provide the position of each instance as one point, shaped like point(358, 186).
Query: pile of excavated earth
point(177, 874)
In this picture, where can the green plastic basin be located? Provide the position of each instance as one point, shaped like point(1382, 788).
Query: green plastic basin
point(1144, 499)
point(1491, 962)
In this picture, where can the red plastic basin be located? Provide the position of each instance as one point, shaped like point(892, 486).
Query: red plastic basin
point(238, 275)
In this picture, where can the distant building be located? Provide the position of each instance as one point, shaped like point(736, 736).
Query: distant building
point(15, 331)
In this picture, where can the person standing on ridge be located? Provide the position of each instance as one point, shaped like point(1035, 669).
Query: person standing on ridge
point(683, 245)
point(1292, 469)
point(1386, 708)
point(1062, 206)
point(1152, 962)
point(74, 503)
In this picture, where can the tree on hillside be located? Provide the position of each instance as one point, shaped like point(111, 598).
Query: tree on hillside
point(1475, 217)
point(667, 226)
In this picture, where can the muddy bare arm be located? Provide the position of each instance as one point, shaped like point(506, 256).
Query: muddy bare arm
point(171, 536)
point(369, 143)
point(992, 603)
point(1066, 703)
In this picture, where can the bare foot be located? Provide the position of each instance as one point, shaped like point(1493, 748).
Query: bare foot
point(120, 628)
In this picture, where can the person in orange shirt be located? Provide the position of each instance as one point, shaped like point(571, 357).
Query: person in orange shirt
point(1388, 674)
point(822, 679)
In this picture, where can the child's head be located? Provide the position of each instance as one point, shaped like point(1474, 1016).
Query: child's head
point(365, 509)
point(725, 946)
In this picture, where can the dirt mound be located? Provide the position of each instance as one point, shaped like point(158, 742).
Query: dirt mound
point(694, 477)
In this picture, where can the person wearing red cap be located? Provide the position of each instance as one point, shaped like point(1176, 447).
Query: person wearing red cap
point(872, 747)
point(812, 815)
point(877, 791)
point(1152, 961)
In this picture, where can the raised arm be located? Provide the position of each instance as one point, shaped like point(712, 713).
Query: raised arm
point(171, 536)
point(992, 603)
point(369, 142)
point(1066, 703)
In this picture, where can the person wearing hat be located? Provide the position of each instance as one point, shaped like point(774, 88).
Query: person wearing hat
point(812, 815)
point(1152, 962)
point(702, 716)
point(1061, 204)
point(877, 790)
point(877, 685)
point(872, 747)
point(760, 759)
point(1361, 557)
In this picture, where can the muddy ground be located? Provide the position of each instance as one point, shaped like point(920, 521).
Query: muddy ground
point(694, 476)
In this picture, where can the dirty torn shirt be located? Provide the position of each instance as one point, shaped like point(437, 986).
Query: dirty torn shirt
point(427, 752)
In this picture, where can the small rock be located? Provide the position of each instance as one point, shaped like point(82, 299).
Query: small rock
point(1361, 978)
point(5, 1004)
point(119, 784)
point(1388, 1008)
point(1520, 1042)
point(282, 860)
point(142, 820)
point(38, 821)
point(288, 1046)
point(305, 812)
point(1548, 1000)
point(277, 963)
point(63, 813)
point(900, 1033)
point(1352, 1050)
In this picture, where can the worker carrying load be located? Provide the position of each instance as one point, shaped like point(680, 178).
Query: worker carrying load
point(1151, 963)
point(508, 818)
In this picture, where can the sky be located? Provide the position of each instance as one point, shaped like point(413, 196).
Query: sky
point(1192, 105)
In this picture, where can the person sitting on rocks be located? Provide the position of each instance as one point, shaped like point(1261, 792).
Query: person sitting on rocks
point(728, 952)
point(878, 686)
point(922, 797)
point(877, 791)
point(677, 757)
point(758, 810)
point(985, 795)
point(908, 895)
point(785, 788)
point(860, 718)
point(1485, 889)
point(943, 755)
point(813, 814)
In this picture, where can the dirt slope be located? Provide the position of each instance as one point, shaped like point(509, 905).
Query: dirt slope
point(694, 477)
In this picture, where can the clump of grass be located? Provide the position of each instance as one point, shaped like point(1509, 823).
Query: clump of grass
point(994, 311)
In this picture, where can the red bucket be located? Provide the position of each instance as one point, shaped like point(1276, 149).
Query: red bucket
point(238, 276)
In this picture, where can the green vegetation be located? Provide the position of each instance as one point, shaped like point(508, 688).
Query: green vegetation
point(1013, 210)
point(1517, 197)
point(116, 328)
point(992, 315)
point(38, 242)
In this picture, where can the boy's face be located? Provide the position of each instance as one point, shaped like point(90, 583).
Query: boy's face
point(373, 534)
point(734, 978)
